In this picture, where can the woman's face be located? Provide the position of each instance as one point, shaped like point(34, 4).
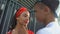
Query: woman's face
point(24, 18)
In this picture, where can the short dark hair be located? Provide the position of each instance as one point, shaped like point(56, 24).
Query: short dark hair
point(52, 4)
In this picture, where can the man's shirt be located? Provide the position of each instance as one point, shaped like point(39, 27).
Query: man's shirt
point(51, 28)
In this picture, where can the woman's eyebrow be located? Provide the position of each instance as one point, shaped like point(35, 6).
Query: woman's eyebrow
point(25, 15)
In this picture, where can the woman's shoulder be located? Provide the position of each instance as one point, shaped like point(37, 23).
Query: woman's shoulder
point(30, 32)
point(10, 32)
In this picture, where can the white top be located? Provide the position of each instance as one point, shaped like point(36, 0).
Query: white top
point(51, 28)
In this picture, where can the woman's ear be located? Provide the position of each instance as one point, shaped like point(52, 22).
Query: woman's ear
point(17, 18)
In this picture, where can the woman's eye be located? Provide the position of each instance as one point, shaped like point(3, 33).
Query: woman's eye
point(25, 15)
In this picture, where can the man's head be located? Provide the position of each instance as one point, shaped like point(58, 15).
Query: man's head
point(45, 9)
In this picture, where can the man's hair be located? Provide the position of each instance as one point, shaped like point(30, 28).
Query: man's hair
point(52, 4)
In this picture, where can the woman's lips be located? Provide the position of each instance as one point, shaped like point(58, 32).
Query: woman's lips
point(26, 21)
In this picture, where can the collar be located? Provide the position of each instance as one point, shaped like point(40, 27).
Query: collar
point(53, 24)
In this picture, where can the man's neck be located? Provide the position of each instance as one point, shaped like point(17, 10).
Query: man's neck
point(49, 19)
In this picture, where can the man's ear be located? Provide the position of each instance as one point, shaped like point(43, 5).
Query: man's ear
point(47, 9)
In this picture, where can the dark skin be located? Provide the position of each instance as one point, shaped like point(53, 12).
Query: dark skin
point(43, 13)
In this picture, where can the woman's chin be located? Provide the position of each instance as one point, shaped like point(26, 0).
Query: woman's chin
point(25, 24)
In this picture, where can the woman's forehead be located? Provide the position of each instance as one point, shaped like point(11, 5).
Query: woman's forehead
point(26, 13)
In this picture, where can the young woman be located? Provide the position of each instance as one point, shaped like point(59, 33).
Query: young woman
point(22, 19)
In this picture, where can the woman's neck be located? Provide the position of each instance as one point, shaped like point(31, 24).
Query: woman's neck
point(19, 26)
point(20, 29)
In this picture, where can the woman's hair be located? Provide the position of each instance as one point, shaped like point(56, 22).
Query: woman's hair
point(13, 23)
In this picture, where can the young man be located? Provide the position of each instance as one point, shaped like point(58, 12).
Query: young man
point(45, 13)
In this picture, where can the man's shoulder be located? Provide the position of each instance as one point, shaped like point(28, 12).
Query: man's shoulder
point(48, 31)
point(44, 31)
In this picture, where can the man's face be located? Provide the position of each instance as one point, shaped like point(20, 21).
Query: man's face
point(39, 13)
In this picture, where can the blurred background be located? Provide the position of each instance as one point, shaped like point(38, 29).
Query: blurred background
point(8, 9)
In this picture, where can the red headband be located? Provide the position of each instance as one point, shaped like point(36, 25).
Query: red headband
point(20, 11)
